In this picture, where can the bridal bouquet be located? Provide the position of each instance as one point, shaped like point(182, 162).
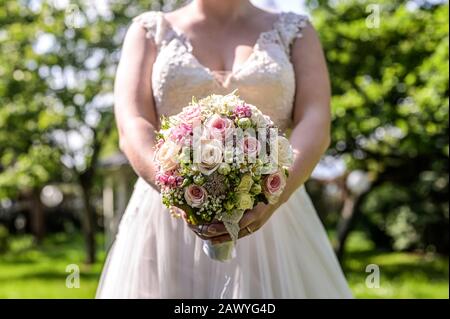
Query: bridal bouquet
point(217, 159)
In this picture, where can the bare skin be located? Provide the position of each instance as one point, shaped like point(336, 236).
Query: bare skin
point(223, 34)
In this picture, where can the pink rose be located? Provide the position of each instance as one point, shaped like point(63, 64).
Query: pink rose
point(243, 111)
point(219, 127)
point(273, 186)
point(195, 195)
point(191, 114)
point(251, 146)
point(180, 132)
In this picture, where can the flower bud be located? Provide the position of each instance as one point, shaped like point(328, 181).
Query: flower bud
point(244, 123)
point(256, 189)
point(228, 205)
point(224, 169)
point(199, 180)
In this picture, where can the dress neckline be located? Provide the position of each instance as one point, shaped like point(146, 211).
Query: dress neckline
point(227, 75)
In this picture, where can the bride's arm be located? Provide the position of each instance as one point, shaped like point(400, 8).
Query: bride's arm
point(134, 107)
point(311, 135)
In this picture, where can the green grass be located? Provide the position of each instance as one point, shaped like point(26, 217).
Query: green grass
point(30, 271)
point(402, 275)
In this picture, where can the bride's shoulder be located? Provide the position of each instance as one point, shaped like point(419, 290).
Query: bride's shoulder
point(149, 21)
point(291, 26)
point(147, 16)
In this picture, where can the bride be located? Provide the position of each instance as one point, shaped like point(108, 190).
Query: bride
point(276, 62)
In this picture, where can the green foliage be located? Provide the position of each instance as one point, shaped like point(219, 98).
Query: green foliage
point(56, 79)
point(4, 240)
point(390, 111)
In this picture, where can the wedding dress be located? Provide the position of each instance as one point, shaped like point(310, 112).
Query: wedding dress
point(157, 256)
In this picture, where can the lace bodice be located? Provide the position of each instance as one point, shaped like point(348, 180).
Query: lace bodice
point(266, 79)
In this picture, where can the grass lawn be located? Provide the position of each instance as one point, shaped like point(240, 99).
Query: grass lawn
point(402, 275)
point(27, 271)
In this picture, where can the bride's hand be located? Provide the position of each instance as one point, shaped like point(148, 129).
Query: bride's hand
point(250, 222)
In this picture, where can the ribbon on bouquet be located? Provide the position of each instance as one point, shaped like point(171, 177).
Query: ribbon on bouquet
point(231, 223)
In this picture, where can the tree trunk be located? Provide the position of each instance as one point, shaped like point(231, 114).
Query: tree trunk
point(86, 181)
point(37, 216)
point(345, 224)
point(88, 224)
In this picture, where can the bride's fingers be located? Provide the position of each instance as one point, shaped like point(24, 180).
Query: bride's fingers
point(250, 217)
point(224, 238)
point(215, 229)
point(208, 231)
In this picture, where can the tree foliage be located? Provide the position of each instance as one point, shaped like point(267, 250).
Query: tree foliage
point(57, 68)
point(390, 110)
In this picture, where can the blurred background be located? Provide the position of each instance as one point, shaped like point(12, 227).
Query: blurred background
point(381, 190)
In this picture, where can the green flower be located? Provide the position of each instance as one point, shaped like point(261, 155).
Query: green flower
point(244, 123)
point(244, 201)
point(245, 184)
point(256, 189)
point(199, 180)
point(224, 169)
point(229, 205)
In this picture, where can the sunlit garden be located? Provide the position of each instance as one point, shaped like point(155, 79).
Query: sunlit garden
point(381, 190)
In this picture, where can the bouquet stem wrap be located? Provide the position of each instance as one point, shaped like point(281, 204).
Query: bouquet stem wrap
point(225, 251)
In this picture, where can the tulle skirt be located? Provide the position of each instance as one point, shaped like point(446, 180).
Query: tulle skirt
point(157, 256)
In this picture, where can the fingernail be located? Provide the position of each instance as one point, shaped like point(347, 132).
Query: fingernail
point(212, 230)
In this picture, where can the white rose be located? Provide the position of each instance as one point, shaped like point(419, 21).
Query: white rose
point(259, 119)
point(167, 155)
point(211, 155)
point(285, 153)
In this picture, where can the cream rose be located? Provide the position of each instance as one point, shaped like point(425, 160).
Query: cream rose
point(195, 195)
point(259, 119)
point(167, 155)
point(285, 153)
point(274, 185)
point(244, 201)
point(210, 156)
point(245, 184)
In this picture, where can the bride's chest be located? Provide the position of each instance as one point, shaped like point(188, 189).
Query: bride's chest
point(177, 69)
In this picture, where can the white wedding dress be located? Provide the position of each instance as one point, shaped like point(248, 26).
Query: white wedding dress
point(157, 256)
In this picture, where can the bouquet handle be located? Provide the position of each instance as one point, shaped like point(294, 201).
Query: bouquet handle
point(220, 252)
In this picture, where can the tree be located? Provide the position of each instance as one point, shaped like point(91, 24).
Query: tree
point(28, 157)
point(58, 64)
point(390, 112)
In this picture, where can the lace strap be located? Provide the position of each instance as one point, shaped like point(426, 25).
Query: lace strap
point(290, 27)
point(155, 24)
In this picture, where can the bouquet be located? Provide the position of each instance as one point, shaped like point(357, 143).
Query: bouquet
point(217, 159)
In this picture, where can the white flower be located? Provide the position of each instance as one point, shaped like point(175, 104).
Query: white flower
point(210, 156)
point(285, 153)
point(259, 119)
point(167, 155)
